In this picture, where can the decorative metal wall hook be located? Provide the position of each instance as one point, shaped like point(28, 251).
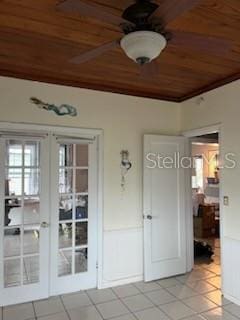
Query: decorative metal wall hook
point(125, 160)
point(126, 165)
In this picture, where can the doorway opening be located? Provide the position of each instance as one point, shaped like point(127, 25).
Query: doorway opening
point(205, 183)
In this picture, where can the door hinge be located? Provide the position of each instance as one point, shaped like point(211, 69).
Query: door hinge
point(96, 265)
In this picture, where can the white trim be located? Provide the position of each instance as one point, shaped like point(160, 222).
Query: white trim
point(221, 210)
point(121, 282)
point(77, 132)
point(201, 131)
point(189, 216)
point(100, 204)
point(2, 214)
point(22, 126)
point(190, 134)
point(232, 299)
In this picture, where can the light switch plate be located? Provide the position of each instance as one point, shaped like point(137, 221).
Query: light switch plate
point(226, 200)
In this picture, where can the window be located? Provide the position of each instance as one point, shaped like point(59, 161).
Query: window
point(197, 175)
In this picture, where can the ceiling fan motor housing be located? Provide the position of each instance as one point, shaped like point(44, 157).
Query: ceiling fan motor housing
point(143, 46)
point(139, 12)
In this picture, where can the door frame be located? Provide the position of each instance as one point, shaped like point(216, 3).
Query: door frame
point(189, 227)
point(11, 127)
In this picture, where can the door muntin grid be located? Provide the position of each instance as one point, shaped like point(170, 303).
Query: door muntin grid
point(21, 230)
point(73, 209)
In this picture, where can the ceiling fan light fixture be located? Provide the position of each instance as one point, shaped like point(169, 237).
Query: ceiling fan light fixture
point(143, 46)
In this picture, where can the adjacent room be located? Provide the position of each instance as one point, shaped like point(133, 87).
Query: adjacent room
point(119, 160)
point(205, 200)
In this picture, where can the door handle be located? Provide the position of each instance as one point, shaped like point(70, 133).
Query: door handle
point(44, 224)
point(148, 216)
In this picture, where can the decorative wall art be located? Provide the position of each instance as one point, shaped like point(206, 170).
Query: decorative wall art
point(62, 110)
point(126, 165)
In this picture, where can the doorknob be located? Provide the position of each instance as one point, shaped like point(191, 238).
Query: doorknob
point(147, 216)
point(44, 224)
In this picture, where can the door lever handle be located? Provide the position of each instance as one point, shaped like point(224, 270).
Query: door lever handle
point(148, 216)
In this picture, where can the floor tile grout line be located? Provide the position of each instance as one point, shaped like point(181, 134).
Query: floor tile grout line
point(202, 311)
point(94, 303)
point(34, 310)
point(184, 285)
point(158, 306)
point(198, 295)
point(121, 300)
point(215, 288)
point(198, 280)
point(64, 307)
point(195, 313)
point(231, 312)
point(177, 300)
point(220, 308)
point(147, 283)
point(134, 312)
point(131, 295)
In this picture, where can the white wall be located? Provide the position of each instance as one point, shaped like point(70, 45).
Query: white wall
point(124, 120)
point(223, 106)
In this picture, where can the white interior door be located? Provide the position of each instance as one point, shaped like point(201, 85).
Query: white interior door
point(74, 215)
point(164, 207)
point(24, 232)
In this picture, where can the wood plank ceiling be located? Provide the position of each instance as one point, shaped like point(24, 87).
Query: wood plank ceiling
point(37, 42)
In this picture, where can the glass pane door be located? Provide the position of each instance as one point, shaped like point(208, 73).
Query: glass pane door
point(75, 235)
point(21, 228)
point(73, 209)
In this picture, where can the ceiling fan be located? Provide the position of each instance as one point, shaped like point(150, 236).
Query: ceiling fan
point(144, 30)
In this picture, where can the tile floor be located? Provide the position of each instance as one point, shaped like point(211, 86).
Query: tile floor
point(194, 296)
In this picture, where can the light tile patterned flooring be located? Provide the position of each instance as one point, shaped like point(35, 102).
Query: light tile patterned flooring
point(194, 296)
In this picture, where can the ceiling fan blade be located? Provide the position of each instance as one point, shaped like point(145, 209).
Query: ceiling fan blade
point(149, 71)
point(94, 53)
point(169, 10)
point(193, 41)
point(90, 10)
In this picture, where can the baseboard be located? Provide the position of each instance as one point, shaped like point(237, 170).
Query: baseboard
point(231, 265)
point(232, 299)
point(120, 282)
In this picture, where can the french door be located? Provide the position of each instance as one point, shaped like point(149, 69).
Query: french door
point(48, 227)
point(73, 219)
point(24, 216)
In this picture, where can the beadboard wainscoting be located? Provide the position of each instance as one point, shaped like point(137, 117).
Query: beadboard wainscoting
point(122, 257)
point(231, 263)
